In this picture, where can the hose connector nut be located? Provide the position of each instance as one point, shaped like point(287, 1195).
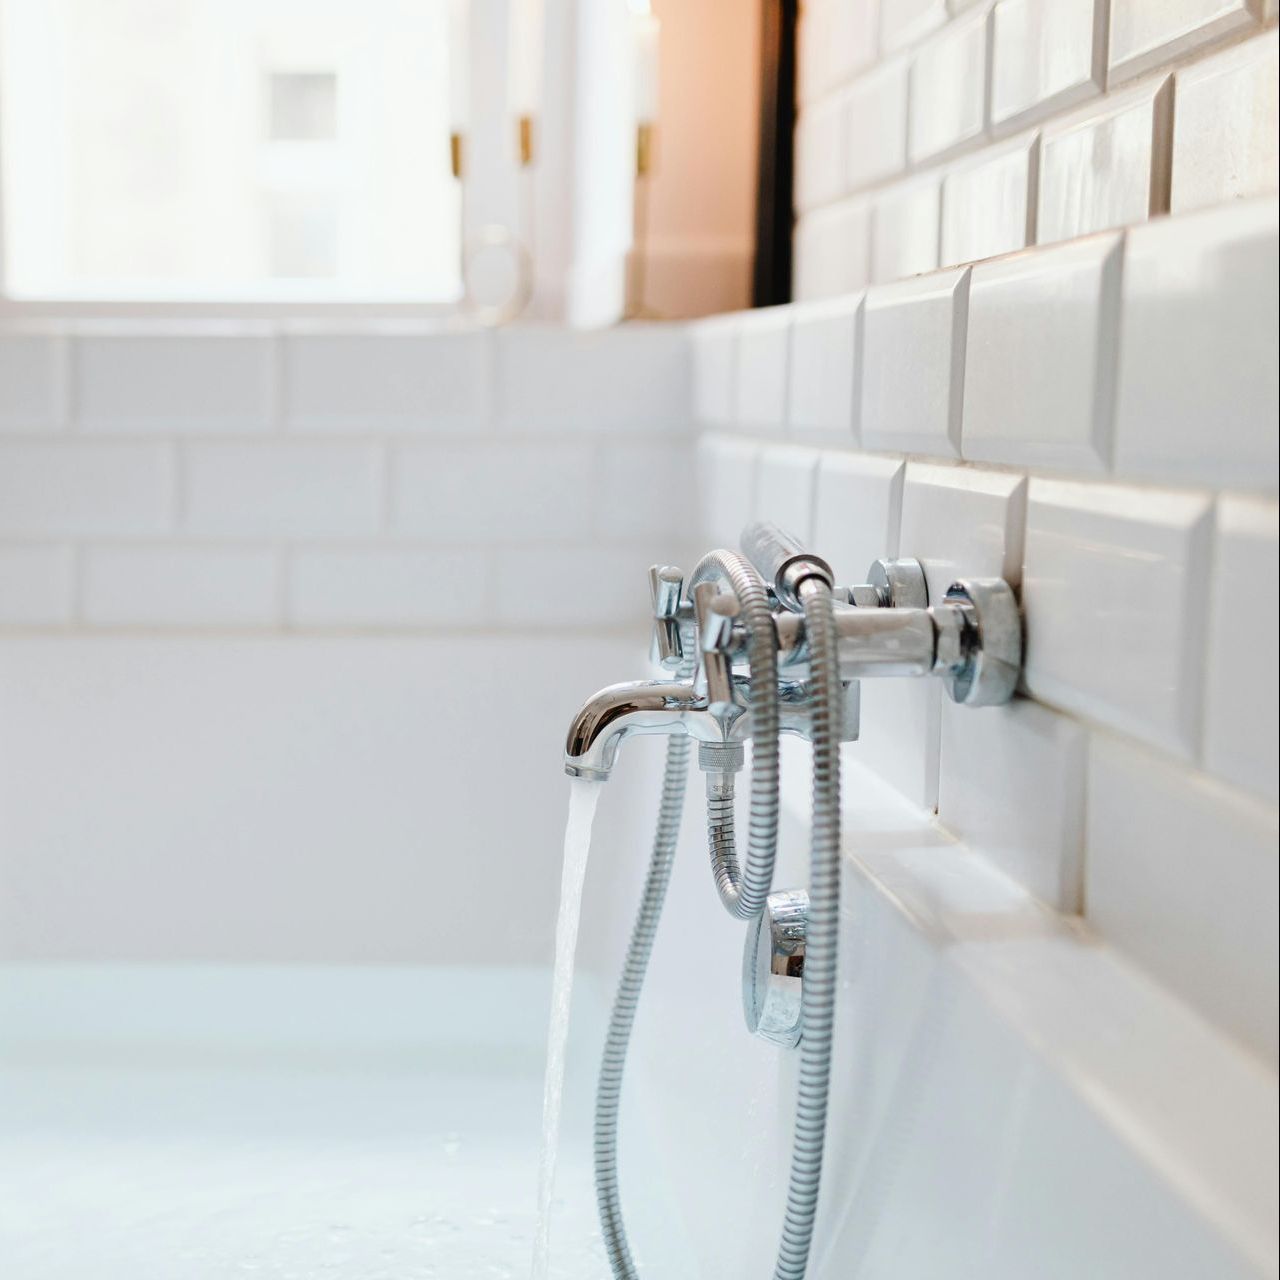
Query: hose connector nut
point(720, 757)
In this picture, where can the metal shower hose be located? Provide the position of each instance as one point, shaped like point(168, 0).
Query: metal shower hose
point(822, 932)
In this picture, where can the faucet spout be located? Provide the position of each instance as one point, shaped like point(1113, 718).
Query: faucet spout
point(640, 706)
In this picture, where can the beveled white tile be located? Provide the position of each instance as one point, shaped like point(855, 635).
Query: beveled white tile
point(1152, 33)
point(821, 153)
point(37, 585)
point(876, 125)
point(727, 475)
point(33, 376)
point(1113, 592)
point(853, 33)
point(715, 344)
point(832, 250)
point(1241, 688)
point(989, 205)
point(948, 88)
point(1226, 126)
point(899, 736)
point(904, 229)
point(1198, 334)
point(1011, 786)
point(763, 340)
point(1181, 873)
point(913, 364)
point(825, 349)
point(645, 489)
point(1039, 386)
point(785, 488)
point(857, 509)
point(904, 21)
point(962, 522)
point(1046, 55)
point(1108, 166)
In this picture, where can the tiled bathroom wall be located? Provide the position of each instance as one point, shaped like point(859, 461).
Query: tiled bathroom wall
point(1036, 337)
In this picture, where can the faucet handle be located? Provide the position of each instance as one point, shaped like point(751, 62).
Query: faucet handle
point(716, 612)
point(666, 583)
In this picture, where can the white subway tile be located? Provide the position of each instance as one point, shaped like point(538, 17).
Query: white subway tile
point(37, 585)
point(1151, 33)
point(715, 345)
point(727, 473)
point(633, 377)
point(1011, 786)
point(853, 34)
point(1181, 875)
point(875, 135)
point(282, 489)
point(646, 491)
point(1197, 400)
point(467, 494)
point(825, 349)
point(69, 488)
point(180, 587)
point(1039, 386)
point(388, 381)
point(857, 509)
point(785, 488)
point(832, 250)
point(989, 205)
point(814, 54)
point(904, 21)
point(1107, 167)
point(820, 153)
point(1046, 55)
point(32, 381)
point(948, 88)
point(961, 522)
point(761, 396)
point(382, 587)
point(904, 229)
point(1241, 688)
point(913, 364)
point(616, 593)
point(1113, 591)
point(899, 736)
point(173, 383)
point(1226, 126)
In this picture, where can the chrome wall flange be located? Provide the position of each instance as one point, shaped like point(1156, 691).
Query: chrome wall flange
point(990, 639)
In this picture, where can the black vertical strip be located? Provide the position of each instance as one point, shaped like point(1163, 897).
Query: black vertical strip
point(771, 274)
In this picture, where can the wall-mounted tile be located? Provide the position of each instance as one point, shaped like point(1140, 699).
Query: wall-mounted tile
point(1153, 33)
point(66, 488)
point(857, 510)
point(899, 736)
point(1241, 690)
point(477, 494)
point(1039, 386)
point(1011, 786)
point(962, 522)
point(715, 345)
point(785, 488)
point(646, 490)
point(180, 587)
point(948, 88)
point(1226, 126)
point(1197, 400)
point(825, 350)
point(37, 586)
point(1108, 167)
point(32, 381)
point(727, 473)
point(832, 250)
point(837, 38)
point(174, 383)
point(820, 153)
point(634, 377)
point(1181, 875)
point(913, 364)
point(618, 596)
point(763, 340)
point(382, 587)
point(904, 229)
point(1113, 591)
point(1046, 55)
point(902, 22)
point(876, 125)
point(989, 205)
point(296, 489)
point(389, 381)
point(814, 61)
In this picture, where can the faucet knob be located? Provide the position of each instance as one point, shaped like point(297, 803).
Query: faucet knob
point(716, 612)
point(666, 583)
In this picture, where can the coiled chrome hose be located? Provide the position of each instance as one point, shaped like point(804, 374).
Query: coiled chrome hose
point(743, 891)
